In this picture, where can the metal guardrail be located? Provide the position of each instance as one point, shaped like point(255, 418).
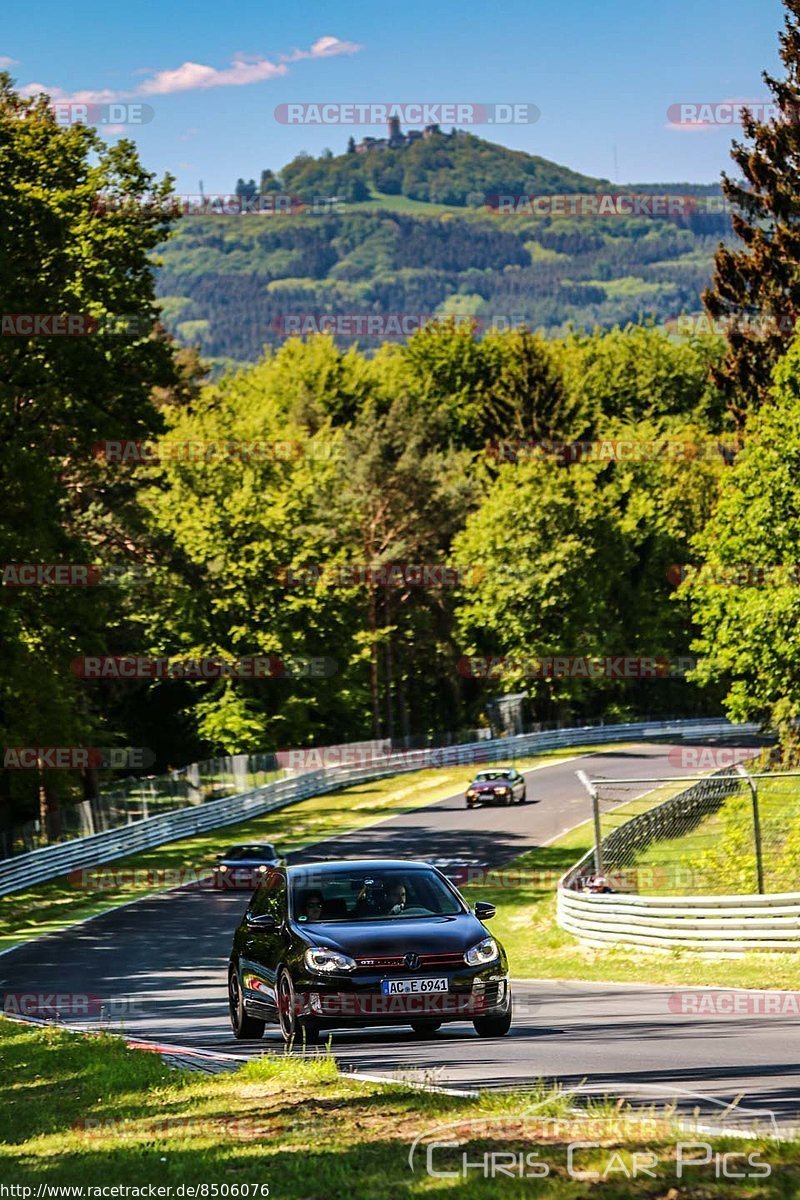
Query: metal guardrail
point(713, 923)
point(50, 862)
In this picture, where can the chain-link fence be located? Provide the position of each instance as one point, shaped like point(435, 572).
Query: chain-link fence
point(731, 833)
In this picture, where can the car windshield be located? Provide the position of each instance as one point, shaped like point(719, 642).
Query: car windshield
point(241, 852)
point(485, 776)
point(392, 894)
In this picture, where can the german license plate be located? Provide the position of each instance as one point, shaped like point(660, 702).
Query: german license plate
point(413, 987)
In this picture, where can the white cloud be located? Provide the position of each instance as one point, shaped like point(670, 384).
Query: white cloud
point(5, 61)
point(192, 76)
point(106, 96)
point(324, 47)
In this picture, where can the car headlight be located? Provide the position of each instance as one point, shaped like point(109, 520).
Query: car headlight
point(485, 952)
point(262, 867)
point(326, 962)
point(222, 867)
point(471, 792)
point(502, 791)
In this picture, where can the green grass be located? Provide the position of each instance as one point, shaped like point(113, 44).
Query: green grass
point(384, 202)
point(89, 1111)
point(51, 906)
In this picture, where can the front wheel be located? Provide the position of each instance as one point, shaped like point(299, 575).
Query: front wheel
point(524, 797)
point(244, 1027)
point(295, 1029)
point(495, 1026)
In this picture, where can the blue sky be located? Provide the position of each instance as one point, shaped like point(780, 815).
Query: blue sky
point(602, 74)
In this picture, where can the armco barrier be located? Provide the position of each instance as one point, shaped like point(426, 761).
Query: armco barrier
point(718, 924)
point(52, 861)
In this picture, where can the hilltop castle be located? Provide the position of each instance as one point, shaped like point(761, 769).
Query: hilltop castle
point(397, 139)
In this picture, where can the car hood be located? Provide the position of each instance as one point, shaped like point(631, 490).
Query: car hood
point(489, 785)
point(429, 935)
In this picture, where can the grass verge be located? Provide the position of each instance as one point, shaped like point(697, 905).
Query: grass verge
point(89, 1111)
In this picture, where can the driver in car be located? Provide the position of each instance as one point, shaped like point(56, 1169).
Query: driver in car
point(397, 898)
point(313, 906)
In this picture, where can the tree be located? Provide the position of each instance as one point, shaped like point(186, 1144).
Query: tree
point(269, 182)
point(577, 560)
point(238, 522)
point(745, 594)
point(756, 288)
point(351, 145)
point(507, 385)
point(64, 252)
point(403, 498)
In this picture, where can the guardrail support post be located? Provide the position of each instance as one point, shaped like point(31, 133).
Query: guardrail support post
point(598, 847)
point(751, 783)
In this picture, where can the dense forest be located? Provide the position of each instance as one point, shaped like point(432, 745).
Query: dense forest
point(228, 283)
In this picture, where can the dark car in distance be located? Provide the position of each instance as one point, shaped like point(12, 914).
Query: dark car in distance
point(496, 785)
point(244, 866)
point(365, 942)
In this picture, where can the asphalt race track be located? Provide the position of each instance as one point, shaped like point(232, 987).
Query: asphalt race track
point(159, 967)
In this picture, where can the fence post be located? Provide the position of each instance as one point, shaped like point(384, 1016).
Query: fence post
point(598, 847)
point(756, 826)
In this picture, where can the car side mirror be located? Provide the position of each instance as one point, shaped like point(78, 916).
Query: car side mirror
point(265, 921)
point(483, 910)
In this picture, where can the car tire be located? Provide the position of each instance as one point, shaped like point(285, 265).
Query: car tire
point(245, 1028)
point(470, 804)
point(425, 1028)
point(524, 797)
point(295, 1030)
point(494, 1026)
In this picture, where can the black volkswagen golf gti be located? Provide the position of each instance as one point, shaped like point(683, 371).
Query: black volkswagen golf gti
point(367, 942)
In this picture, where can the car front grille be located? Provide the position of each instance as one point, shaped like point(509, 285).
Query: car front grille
point(397, 962)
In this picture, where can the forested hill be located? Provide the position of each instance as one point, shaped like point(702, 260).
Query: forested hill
point(457, 169)
point(423, 241)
